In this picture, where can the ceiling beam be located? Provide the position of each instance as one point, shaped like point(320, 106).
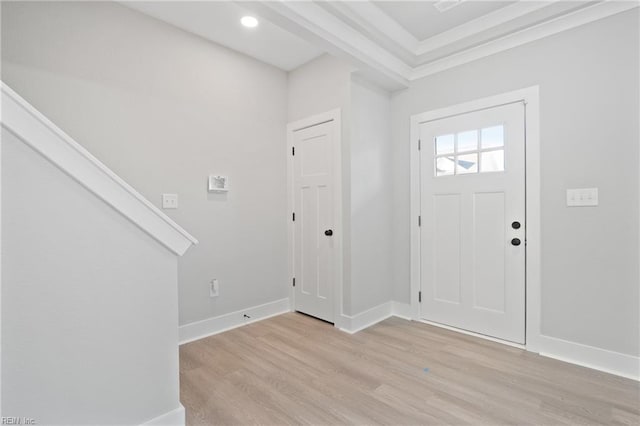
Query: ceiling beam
point(314, 23)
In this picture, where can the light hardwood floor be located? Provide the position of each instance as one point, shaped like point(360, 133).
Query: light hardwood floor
point(293, 369)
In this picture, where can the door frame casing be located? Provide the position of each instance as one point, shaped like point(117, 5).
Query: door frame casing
point(335, 116)
point(530, 97)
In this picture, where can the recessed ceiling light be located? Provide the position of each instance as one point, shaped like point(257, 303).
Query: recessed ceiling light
point(249, 21)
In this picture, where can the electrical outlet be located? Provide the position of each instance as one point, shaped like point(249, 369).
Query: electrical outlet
point(169, 201)
point(213, 288)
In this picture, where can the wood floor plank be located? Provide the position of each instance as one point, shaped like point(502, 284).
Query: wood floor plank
point(293, 369)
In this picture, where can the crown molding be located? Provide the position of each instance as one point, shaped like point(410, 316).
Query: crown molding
point(372, 18)
point(389, 55)
point(554, 26)
point(478, 25)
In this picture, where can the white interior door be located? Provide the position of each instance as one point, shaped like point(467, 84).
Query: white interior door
point(313, 181)
point(472, 233)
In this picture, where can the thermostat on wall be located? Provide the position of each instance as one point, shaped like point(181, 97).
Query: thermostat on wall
point(218, 183)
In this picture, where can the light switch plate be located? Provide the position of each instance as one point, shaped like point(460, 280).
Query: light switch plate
point(582, 197)
point(169, 201)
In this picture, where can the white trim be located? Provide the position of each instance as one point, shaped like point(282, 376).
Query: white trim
point(531, 97)
point(374, 20)
point(316, 24)
point(210, 326)
point(34, 129)
point(414, 201)
point(354, 323)
point(532, 146)
point(387, 52)
point(478, 25)
point(335, 116)
point(591, 357)
point(174, 417)
point(401, 310)
point(527, 35)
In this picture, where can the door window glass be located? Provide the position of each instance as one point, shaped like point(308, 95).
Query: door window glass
point(444, 144)
point(470, 151)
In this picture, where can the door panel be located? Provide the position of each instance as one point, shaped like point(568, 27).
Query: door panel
point(488, 248)
point(313, 203)
point(447, 248)
point(472, 188)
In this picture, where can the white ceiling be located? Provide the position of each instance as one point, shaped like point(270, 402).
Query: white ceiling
point(423, 20)
point(219, 21)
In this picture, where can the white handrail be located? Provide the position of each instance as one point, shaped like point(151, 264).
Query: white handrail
point(37, 131)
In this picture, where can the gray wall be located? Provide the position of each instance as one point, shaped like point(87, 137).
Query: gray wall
point(327, 83)
point(371, 198)
point(318, 86)
point(164, 109)
point(589, 93)
point(89, 307)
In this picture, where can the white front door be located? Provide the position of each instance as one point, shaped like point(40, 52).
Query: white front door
point(314, 240)
point(472, 232)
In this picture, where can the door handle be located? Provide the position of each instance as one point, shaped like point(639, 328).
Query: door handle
point(515, 225)
point(515, 242)
point(328, 232)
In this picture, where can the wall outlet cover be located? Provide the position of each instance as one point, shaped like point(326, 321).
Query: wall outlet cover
point(169, 201)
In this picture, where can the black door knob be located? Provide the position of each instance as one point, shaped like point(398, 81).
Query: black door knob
point(515, 242)
point(328, 232)
point(515, 225)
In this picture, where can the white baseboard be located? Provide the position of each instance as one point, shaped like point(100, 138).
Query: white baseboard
point(575, 353)
point(589, 356)
point(354, 323)
point(172, 418)
point(201, 329)
point(401, 310)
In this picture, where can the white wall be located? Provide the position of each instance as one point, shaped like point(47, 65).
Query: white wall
point(164, 109)
point(589, 93)
point(371, 197)
point(89, 307)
